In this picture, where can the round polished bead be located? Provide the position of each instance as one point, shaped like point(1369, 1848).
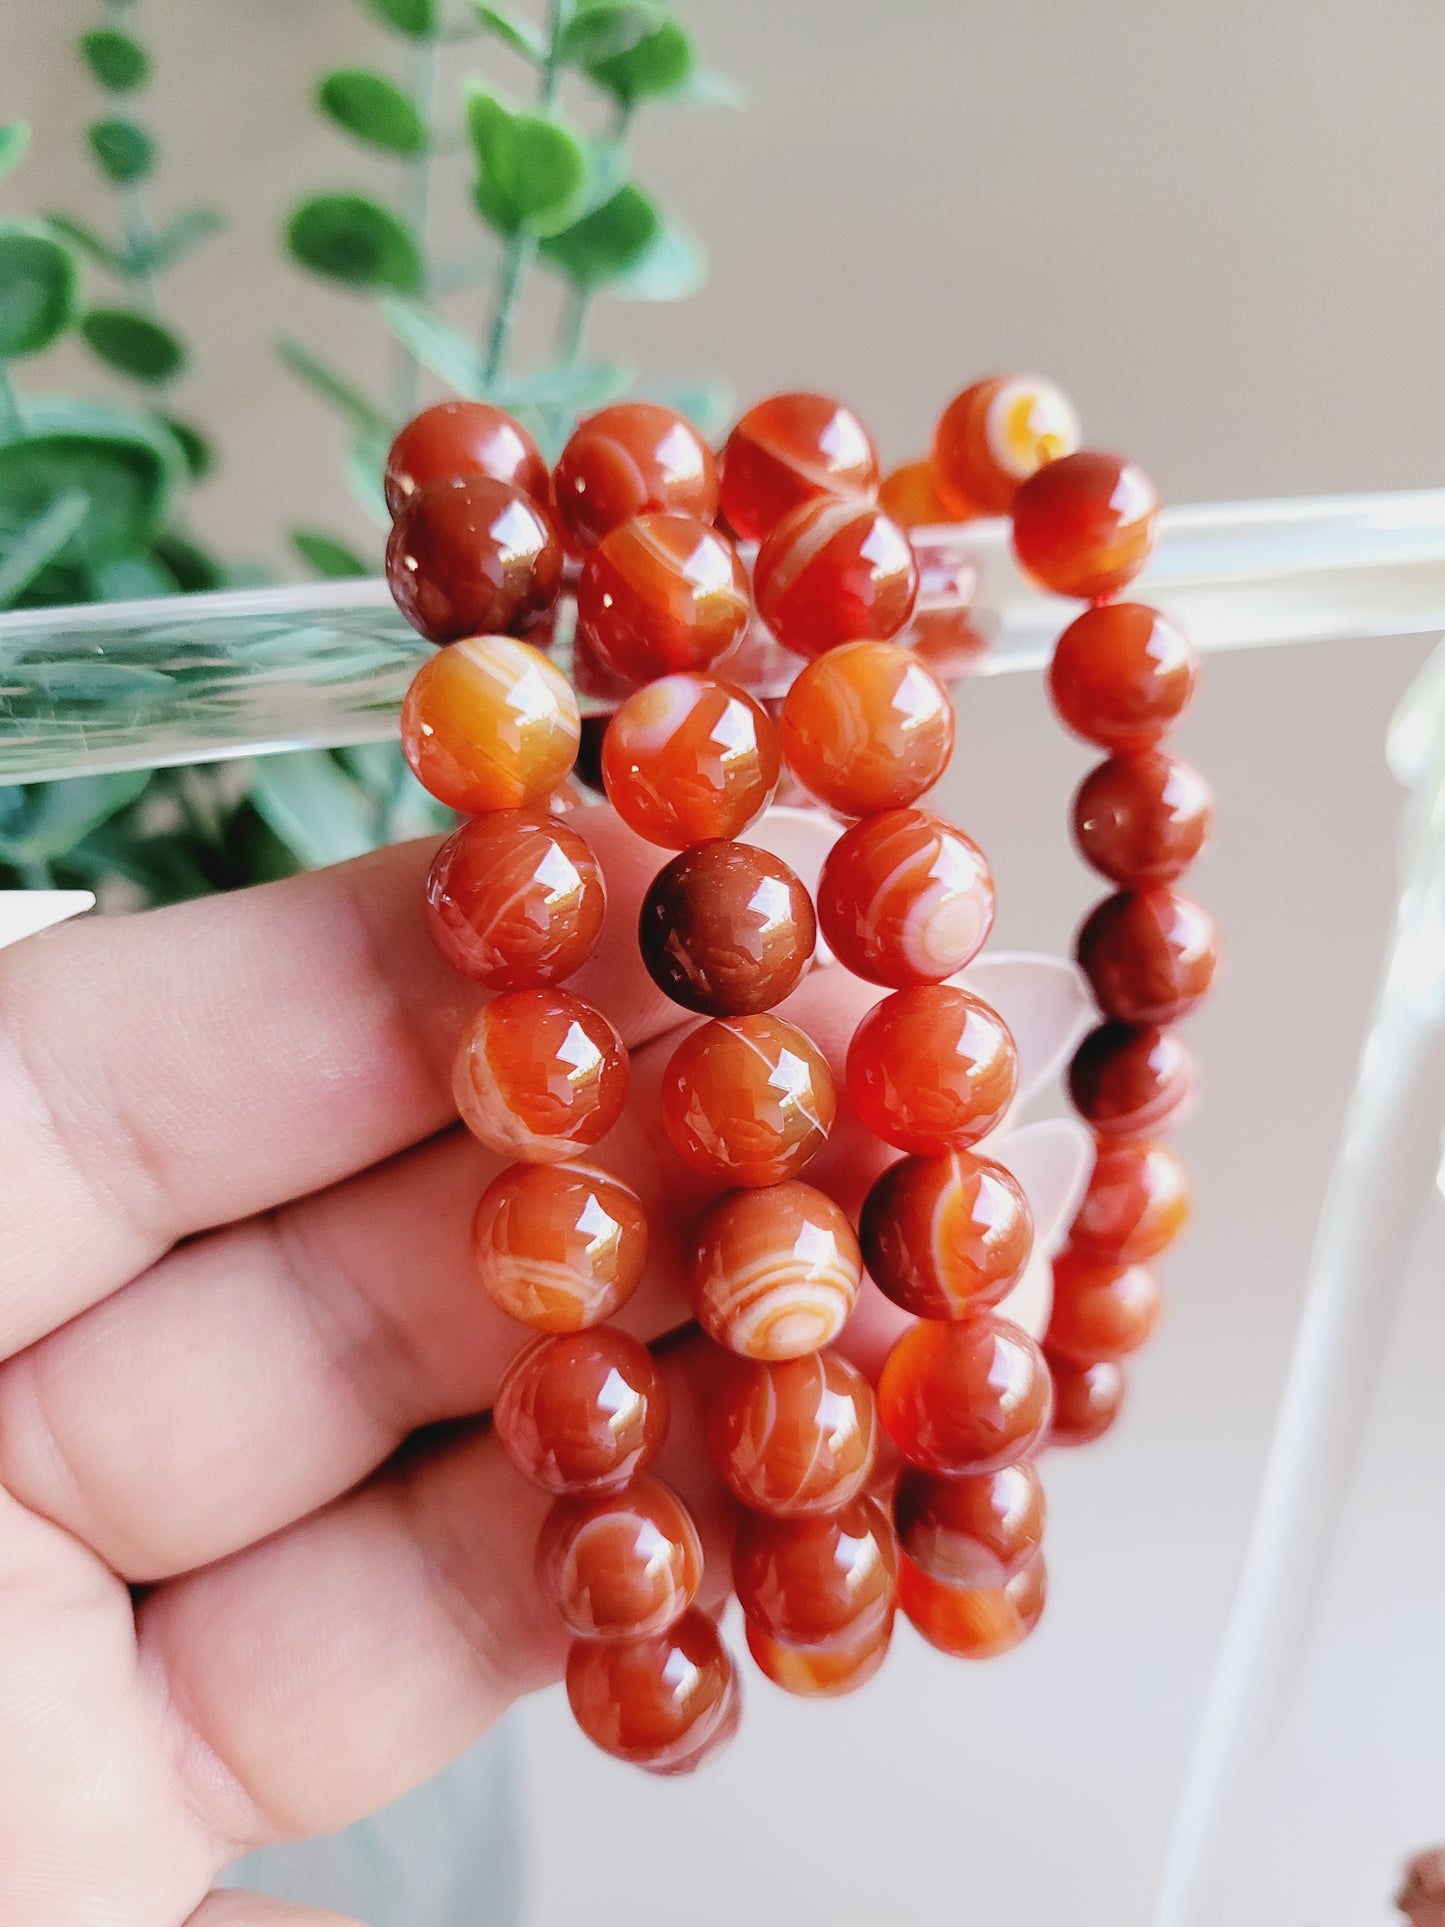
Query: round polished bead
point(625, 460)
point(834, 572)
point(788, 450)
point(774, 1273)
point(620, 1565)
point(909, 495)
point(473, 557)
point(963, 1398)
point(540, 1075)
point(905, 898)
point(1085, 525)
point(1142, 818)
point(971, 1622)
point(748, 1100)
point(994, 436)
point(867, 727)
point(463, 438)
point(689, 758)
point(582, 1412)
point(663, 592)
point(665, 1703)
point(1101, 1311)
point(559, 1247)
point(1136, 1205)
point(1087, 1399)
point(1149, 955)
point(726, 929)
point(794, 1438)
point(515, 900)
point(932, 1069)
point(980, 1531)
point(821, 1672)
point(1129, 1080)
point(810, 1581)
point(1121, 676)
point(489, 724)
point(946, 1236)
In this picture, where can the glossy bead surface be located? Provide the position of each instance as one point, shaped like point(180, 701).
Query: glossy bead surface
point(748, 1100)
point(1101, 1311)
point(473, 557)
point(620, 1565)
point(910, 496)
point(1136, 1205)
point(979, 1531)
point(774, 1273)
point(559, 1247)
point(973, 1623)
point(661, 593)
point(489, 724)
point(1149, 955)
point(794, 1438)
point(626, 460)
point(515, 900)
point(788, 450)
point(689, 758)
point(582, 1412)
point(1142, 818)
point(867, 727)
point(994, 436)
point(1087, 1399)
point(540, 1075)
point(726, 929)
point(1129, 1080)
point(963, 1398)
point(1085, 525)
point(905, 898)
point(945, 1236)
point(932, 1069)
point(821, 1672)
point(810, 1581)
point(665, 1703)
point(1121, 676)
point(463, 438)
point(835, 572)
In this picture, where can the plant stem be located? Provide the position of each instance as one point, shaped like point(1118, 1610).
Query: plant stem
point(425, 74)
point(12, 421)
point(137, 229)
point(575, 308)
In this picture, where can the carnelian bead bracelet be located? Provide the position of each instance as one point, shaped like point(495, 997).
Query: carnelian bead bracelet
point(669, 615)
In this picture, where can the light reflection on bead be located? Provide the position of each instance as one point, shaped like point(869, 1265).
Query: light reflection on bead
point(1087, 1399)
point(463, 438)
point(665, 592)
point(867, 727)
point(821, 1672)
point(795, 1438)
point(665, 1703)
point(540, 1075)
point(726, 929)
point(974, 1623)
point(1121, 676)
point(996, 434)
point(1100, 1311)
point(791, 449)
point(747, 1100)
point(835, 572)
point(620, 1565)
point(1149, 955)
point(582, 1412)
point(559, 1247)
point(1085, 525)
point(473, 557)
point(932, 1069)
point(688, 758)
point(946, 1236)
point(1129, 1081)
point(967, 1397)
point(905, 898)
point(808, 1582)
point(489, 724)
point(1136, 1205)
point(515, 900)
point(625, 460)
point(980, 1531)
point(774, 1273)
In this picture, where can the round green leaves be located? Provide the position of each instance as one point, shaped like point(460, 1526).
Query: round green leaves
point(38, 289)
point(119, 63)
point(134, 344)
point(125, 152)
point(350, 239)
point(371, 109)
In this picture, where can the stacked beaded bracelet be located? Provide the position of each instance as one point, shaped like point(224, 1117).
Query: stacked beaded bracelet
point(905, 901)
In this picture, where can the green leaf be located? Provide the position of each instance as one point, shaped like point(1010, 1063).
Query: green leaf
point(125, 152)
point(133, 578)
point(671, 268)
point(35, 547)
point(121, 460)
point(703, 88)
point(334, 389)
point(437, 345)
point(195, 569)
point(534, 171)
point(313, 807)
point(608, 28)
point(328, 556)
point(350, 239)
point(200, 456)
point(520, 34)
point(134, 344)
point(177, 238)
point(41, 821)
point(14, 145)
point(607, 242)
point(416, 18)
point(588, 386)
point(373, 109)
point(89, 242)
point(118, 62)
point(38, 288)
point(656, 66)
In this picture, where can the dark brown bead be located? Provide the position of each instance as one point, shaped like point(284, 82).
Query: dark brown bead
point(1150, 955)
point(1130, 1080)
point(473, 557)
point(1142, 819)
point(463, 438)
point(726, 929)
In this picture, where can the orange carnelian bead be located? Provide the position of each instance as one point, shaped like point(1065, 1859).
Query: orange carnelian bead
point(515, 900)
point(1127, 1079)
point(1142, 818)
point(810, 1581)
point(1150, 955)
point(1121, 676)
point(582, 1412)
point(867, 727)
point(663, 592)
point(1087, 1399)
point(726, 929)
point(1136, 1205)
point(540, 1075)
point(932, 1069)
point(748, 1100)
point(966, 1397)
point(463, 438)
point(945, 1236)
point(774, 1273)
point(489, 724)
point(473, 557)
point(994, 436)
point(620, 1565)
point(1100, 1310)
point(625, 460)
point(559, 1247)
point(905, 898)
point(788, 450)
point(834, 572)
point(664, 1703)
point(821, 1672)
point(794, 1438)
point(980, 1531)
point(910, 495)
point(1084, 525)
point(973, 1623)
point(688, 758)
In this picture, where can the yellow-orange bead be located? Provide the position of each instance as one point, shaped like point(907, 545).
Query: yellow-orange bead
point(559, 1247)
point(867, 727)
point(515, 899)
point(821, 1672)
point(910, 497)
point(620, 1565)
point(994, 436)
point(905, 898)
point(665, 1703)
point(489, 724)
point(748, 1100)
point(967, 1397)
point(540, 1075)
point(1085, 525)
point(582, 1411)
point(688, 758)
point(795, 1438)
point(973, 1623)
point(979, 1532)
point(774, 1273)
point(809, 1582)
point(1136, 1205)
